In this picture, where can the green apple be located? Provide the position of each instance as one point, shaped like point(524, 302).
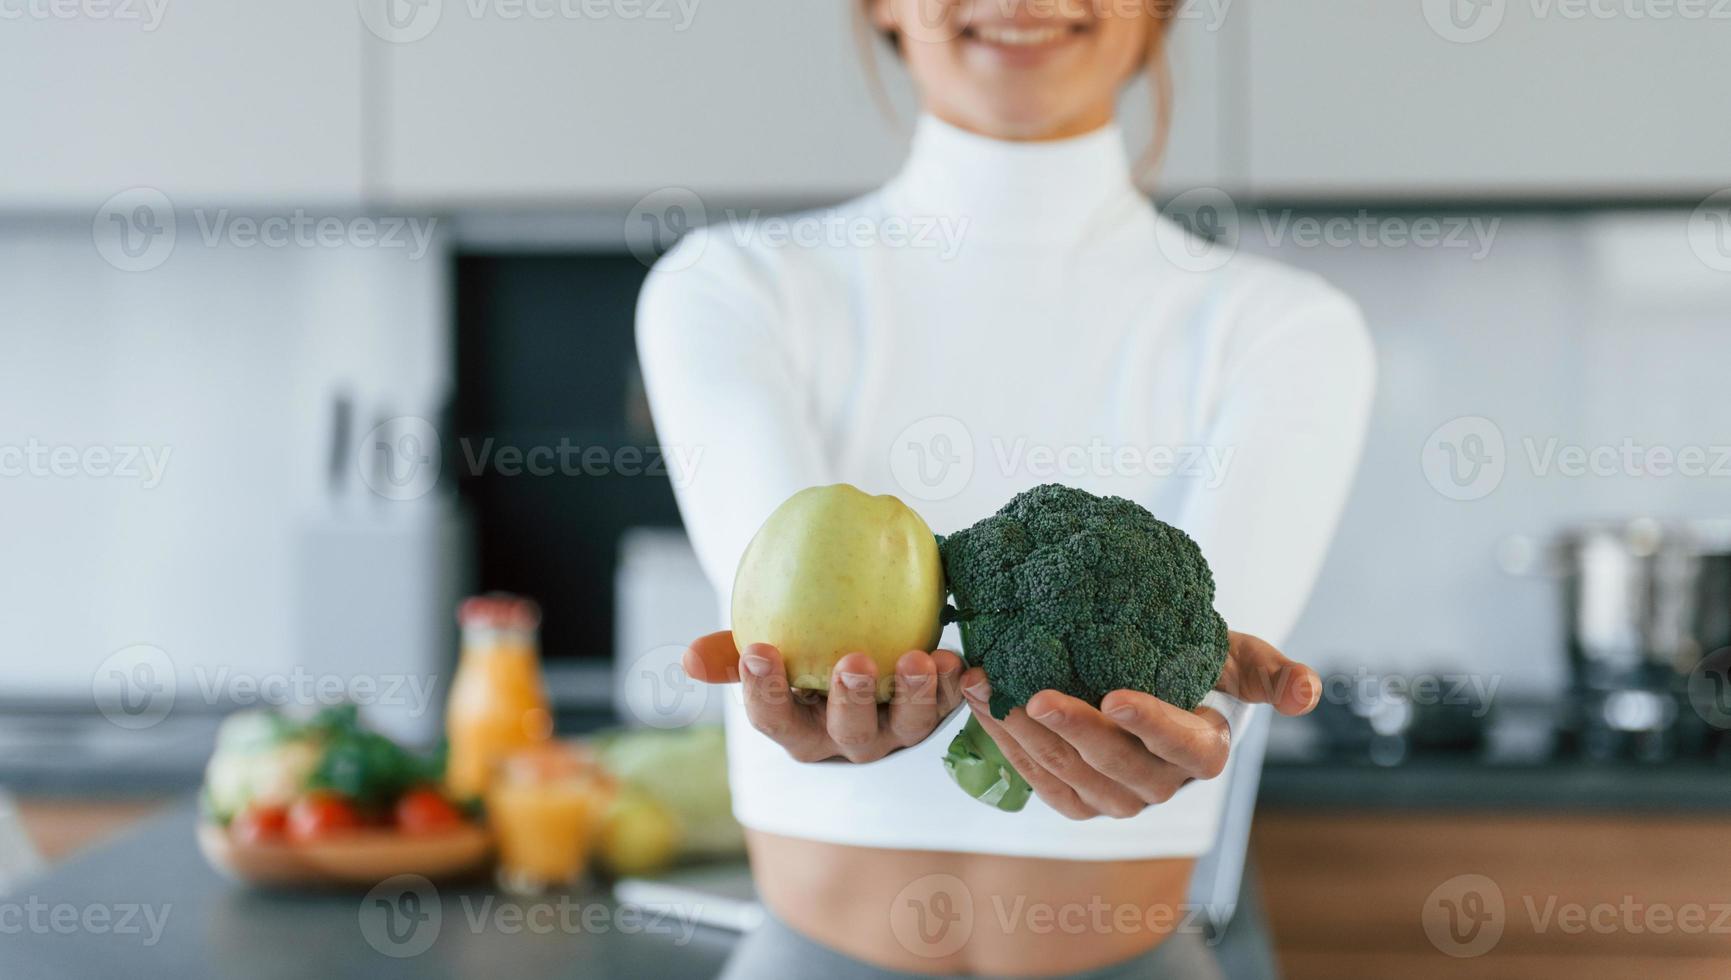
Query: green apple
point(836, 571)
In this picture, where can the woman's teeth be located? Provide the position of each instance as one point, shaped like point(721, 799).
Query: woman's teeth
point(1020, 37)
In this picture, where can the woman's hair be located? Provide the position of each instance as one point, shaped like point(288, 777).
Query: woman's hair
point(1154, 66)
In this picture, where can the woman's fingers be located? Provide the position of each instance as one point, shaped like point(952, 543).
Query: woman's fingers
point(1105, 747)
point(1057, 756)
point(713, 659)
point(950, 669)
point(772, 709)
point(1256, 672)
point(1058, 794)
point(852, 712)
point(1197, 742)
point(913, 711)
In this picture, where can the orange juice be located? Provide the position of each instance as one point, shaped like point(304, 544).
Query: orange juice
point(545, 806)
point(498, 700)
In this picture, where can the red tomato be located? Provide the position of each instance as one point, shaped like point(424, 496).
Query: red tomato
point(318, 815)
point(259, 824)
point(426, 811)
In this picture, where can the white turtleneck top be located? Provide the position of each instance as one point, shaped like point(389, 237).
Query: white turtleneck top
point(1002, 315)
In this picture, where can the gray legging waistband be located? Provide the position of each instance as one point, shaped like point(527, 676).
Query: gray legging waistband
point(774, 950)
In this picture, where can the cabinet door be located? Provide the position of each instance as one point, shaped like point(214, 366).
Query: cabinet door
point(498, 101)
point(1485, 98)
point(486, 104)
point(205, 100)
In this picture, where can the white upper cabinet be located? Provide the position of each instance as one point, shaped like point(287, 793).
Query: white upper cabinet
point(1486, 98)
point(486, 103)
point(233, 101)
point(766, 99)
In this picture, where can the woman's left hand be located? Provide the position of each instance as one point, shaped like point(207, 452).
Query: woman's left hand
point(1135, 750)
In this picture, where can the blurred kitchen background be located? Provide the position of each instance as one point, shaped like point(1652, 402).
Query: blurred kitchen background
point(1532, 205)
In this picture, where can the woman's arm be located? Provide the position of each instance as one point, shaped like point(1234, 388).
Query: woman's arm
point(727, 399)
point(1295, 401)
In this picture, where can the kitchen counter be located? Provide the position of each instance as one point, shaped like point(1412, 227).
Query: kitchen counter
point(148, 905)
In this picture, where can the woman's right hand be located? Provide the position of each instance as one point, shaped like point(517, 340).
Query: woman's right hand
point(848, 723)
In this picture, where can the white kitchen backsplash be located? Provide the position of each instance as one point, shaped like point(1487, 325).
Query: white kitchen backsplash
point(1550, 332)
point(210, 377)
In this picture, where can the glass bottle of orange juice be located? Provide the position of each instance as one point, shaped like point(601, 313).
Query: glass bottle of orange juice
point(498, 700)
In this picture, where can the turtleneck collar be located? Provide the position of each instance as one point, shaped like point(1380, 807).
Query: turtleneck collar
point(1056, 191)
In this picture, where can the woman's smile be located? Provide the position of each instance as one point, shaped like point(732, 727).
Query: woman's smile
point(1024, 40)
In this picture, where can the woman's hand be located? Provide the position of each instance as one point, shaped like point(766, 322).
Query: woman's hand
point(1135, 750)
point(849, 723)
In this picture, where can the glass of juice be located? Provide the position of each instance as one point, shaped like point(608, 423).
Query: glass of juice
point(545, 805)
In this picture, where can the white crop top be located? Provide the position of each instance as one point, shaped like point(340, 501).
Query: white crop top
point(998, 316)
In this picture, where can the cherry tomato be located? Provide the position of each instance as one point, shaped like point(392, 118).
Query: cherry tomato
point(426, 811)
point(258, 824)
point(319, 815)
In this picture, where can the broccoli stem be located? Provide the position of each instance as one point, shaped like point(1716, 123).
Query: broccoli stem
point(977, 765)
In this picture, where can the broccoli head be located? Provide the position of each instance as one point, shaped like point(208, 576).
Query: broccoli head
point(1066, 591)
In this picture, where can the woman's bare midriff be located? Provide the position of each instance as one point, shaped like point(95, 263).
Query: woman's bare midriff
point(947, 912)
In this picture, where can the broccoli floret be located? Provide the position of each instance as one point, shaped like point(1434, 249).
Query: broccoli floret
point(1066, 591)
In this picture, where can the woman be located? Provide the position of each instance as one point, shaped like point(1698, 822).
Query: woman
point(1071, 335)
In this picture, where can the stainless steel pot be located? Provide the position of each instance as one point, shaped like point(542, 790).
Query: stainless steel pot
point(1644, 601)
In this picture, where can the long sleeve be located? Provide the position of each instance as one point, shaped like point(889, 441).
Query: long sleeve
point(1293, 415)
point(724, 397)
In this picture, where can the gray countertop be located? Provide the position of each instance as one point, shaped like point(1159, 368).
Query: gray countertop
point(147, 905)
